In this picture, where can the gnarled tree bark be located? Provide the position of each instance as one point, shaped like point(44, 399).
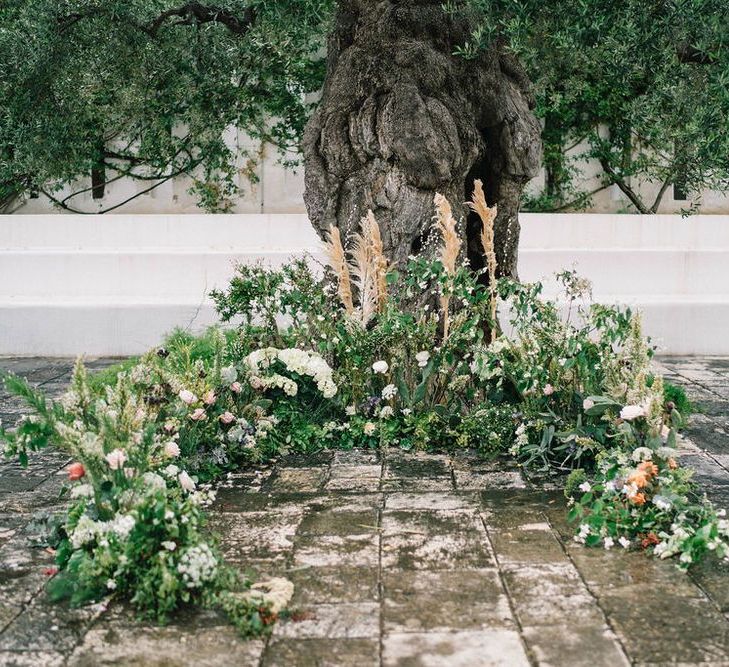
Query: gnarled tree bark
point(401, 118)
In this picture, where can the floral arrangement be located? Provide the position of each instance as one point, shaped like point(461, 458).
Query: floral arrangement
point(362, 356)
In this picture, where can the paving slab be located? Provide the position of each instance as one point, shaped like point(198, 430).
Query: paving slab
point(398, 559)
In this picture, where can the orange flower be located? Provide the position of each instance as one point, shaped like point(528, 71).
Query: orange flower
point(649, 540)
point(648, 468)
point(638, 498)
point(639, 478)
point(672, 464)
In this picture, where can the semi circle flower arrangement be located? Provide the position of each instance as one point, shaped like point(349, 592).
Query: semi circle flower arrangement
point(566, 385)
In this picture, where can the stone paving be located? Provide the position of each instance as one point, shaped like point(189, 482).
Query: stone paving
point(398, 559)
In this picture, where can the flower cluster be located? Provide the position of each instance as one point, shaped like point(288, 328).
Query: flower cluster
point(304, 363)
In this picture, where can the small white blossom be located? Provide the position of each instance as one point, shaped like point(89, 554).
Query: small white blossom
point(380, 367)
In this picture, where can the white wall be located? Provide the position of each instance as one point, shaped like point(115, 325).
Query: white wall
point(116, 284)
point(281, 190)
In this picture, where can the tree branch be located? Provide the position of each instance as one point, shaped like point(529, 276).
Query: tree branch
point(195, 13)
point(624, 187)
point(191, 13)
point(691, 55)
point(660, 194)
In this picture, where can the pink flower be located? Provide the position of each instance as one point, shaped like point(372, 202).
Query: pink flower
point(172, 449)
point(587, 404)
point(186, 396)
point(169, 426)
point(186, 482)
point(116, 459)
point(227, 417)
point(198, 415)
point(236, 388)
point(548, 390)
point(209, 397)
point(76, 471)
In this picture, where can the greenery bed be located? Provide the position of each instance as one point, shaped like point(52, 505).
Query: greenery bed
point(362, 356)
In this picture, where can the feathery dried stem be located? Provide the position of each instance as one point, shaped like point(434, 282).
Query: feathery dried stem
point(487, 214)
point(378, 257)
point(337, 260)
point(369, 268)
point(446, 225)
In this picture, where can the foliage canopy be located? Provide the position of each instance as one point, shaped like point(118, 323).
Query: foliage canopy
point(149, 88)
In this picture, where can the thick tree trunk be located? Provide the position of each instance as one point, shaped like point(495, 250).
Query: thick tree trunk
point(401, 118)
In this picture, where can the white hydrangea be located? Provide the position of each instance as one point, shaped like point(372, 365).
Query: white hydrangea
point(197, 566)
point(302, 362)
point(87, 530)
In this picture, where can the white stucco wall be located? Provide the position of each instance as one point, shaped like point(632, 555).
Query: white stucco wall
point(116, 284)
point(280, 190)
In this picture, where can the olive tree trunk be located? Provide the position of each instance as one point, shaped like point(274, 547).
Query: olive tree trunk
point(402, 118)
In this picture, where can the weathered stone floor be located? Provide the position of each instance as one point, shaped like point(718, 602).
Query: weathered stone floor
point(398, 559)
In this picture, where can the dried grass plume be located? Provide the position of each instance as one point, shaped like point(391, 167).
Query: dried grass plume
point(487, 214)
point(337, 260)
point(445, 223)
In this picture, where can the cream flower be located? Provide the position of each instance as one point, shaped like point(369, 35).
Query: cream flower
point(172, 449)
point(186, 396)
point(116, 459)
point(186, 482)
point(630, 412)
point(380, 367)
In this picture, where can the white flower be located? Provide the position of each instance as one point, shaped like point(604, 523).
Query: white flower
point(228, 375)
point(116, 459)
point(587, 404)
point(197, 566)
point(350, 410)
point(82, 491)
point(186, 482)
point(171, 470)
point(585, 486)
point(369, 428)
point(624, 542)
point(406, 411)
point(153, 481)
point(548, 390)
point(186, 396)
point(422, 358)
point(608, 543)
point(389, 391)
point(170, 546)
point(110, 584)
point(172, 449)
point(386, 412)
point(642, 454)
point(630, 412)
point(380, 367)
point(662, 503)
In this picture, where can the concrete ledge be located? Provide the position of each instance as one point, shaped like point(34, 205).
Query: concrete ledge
point(109, 285)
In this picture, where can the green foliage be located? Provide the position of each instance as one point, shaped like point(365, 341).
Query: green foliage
point(642, 86)
point(144, 90)
point(676, 395)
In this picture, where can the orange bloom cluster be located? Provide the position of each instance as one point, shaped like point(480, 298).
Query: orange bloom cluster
point(643, 474)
